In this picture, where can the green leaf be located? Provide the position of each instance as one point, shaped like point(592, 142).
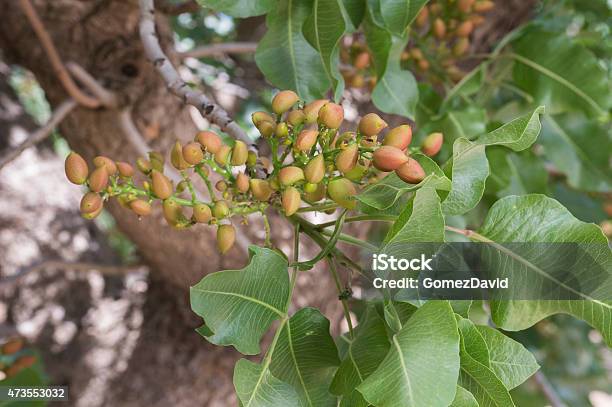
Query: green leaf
point(323, 30)
point(475, 376)
point(364, 353)
point(378, 39)
point(239, 8)
point(580, 149)
point(470, 167)
point(537, 218)
point(399, 14)
point(256, 387)
point(396, 91)
point(306, 357)
point(239, 305)
point(509, 360)
point(422, 366)
point(355, 10)
point(464, 398)
point(285, 57)
point(515, 173)
point(559, 73)
point(390, 189)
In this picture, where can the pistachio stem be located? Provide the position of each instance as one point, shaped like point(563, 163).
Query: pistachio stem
point(267, 229)
point(204, 177)
point(319, 208)
point(345, 307)
point(382, 218)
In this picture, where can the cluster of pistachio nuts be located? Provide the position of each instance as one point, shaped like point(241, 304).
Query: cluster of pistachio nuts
point(443, 29)
point(14, 357)
point(311, 161)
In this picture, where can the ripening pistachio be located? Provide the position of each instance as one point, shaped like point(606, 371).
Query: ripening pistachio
point(309, 187)
point(484, 6)
point(90, 202)
point(362, 60)
point(290, 175)
point(388, 158)
point(140, 207)
point(465, 5)
point(220, 209)
point(98, 179)
point(315, 169)
point(259, 117)
point(221, 186)
point(411, 171)
point(101, 161)
point(306, 139)
point(423, 64)
point(161, 185)
point(461, 46)
point(11, 347)
point(331, 115)
point(369, 142)
point(295, 117)
point(432, 144)
point(399, 137)
point(311, 110)
point(265, 163)
point(422, 17)
point(477, 20)
point(316, 195)
point(201, 213)
point(210, 141)
point(282, 130)
point(173, 212)
point(266, 128)
point(261, 189)
point(76, 169)
point(341, 191)
point(465, 29)
point(345, 139)
point(226, 235)
point(371, 124)
point(346, 160)
point(144, 165)
point(356, 174)
point(192, 153)
point(240, 153)
point(290, 200)
point(176, 157)
point(251, 159)
point(222, 155)
point(157, 160)
point(283, 101)
point(94, 214)
point(181, 186)
point(439, 29)
point(242, 182)
point(125, 169)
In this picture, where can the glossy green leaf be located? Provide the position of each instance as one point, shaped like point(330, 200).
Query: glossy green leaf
point(390, 189)
point(537, 218)
point(515, 173)
point(464, 398)
point(580, 149)
point(364, 353)
point(239, 305)
point(355, 10)
point(323, 30)
point(399, 14)
point(285, 57)
point(559, 73)
point(306, 357)
point(422, 365)
point(239, 8)
point(378, 39)
point(470, 167)
point(509, 360)
point(256, 387)
point(475, 376)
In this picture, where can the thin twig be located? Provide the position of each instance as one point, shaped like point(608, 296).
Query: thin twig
point(54, 58)
point(105, 96)
point(68, 265)
point(210, 110)
point(546, 388)
point(220, 49)
point(42, 133)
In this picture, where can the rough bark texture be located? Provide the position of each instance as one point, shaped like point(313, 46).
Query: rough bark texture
point(170, 364)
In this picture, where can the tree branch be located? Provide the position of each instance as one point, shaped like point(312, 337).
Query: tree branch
point(220, 49)
point(56, 62)
point(39, 135)
point(211, 111)
point(105, 96)
point(546, 388)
